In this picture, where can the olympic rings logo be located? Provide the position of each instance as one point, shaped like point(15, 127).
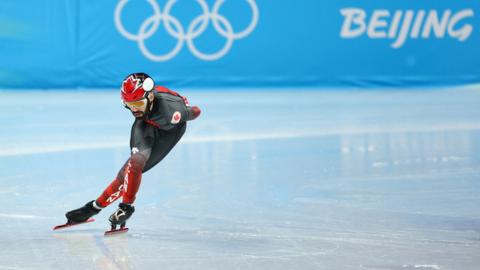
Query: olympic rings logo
point(193, 31)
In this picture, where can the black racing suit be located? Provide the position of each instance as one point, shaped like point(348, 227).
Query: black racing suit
point(151, 140)
point(155, 136)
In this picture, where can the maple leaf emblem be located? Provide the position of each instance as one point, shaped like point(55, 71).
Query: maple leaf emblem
point(176, 117)
point(130, 85)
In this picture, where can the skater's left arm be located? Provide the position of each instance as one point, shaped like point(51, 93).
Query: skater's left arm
point(177, 110)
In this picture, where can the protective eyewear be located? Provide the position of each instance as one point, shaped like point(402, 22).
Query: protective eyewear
point(137, 103)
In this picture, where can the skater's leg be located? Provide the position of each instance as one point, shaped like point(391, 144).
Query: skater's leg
point(133, 177)
point(114, 190)
point(127, 181)
point(164, 143)
point(111, 193)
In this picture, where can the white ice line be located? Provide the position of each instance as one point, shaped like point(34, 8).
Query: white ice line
point(57, 148)
point(26, 150)
point(20, 216)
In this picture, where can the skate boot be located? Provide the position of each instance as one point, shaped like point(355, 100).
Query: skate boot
point(120, 217)
point(83, 213)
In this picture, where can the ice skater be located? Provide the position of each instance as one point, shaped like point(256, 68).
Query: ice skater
point(160, 122)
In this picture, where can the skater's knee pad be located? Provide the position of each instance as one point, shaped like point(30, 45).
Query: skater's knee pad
point(137, 162)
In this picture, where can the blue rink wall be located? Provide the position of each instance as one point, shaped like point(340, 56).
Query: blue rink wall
point(48, 44)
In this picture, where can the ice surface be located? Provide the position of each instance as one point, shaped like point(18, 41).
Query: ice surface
point(382, 179)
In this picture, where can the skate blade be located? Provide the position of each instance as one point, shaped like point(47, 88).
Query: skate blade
point(116, 232)
point(72, 224)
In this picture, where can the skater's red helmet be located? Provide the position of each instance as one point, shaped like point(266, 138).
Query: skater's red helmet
point(136, 86)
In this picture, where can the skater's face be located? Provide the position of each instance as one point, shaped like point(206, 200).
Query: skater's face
point(139, 108)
